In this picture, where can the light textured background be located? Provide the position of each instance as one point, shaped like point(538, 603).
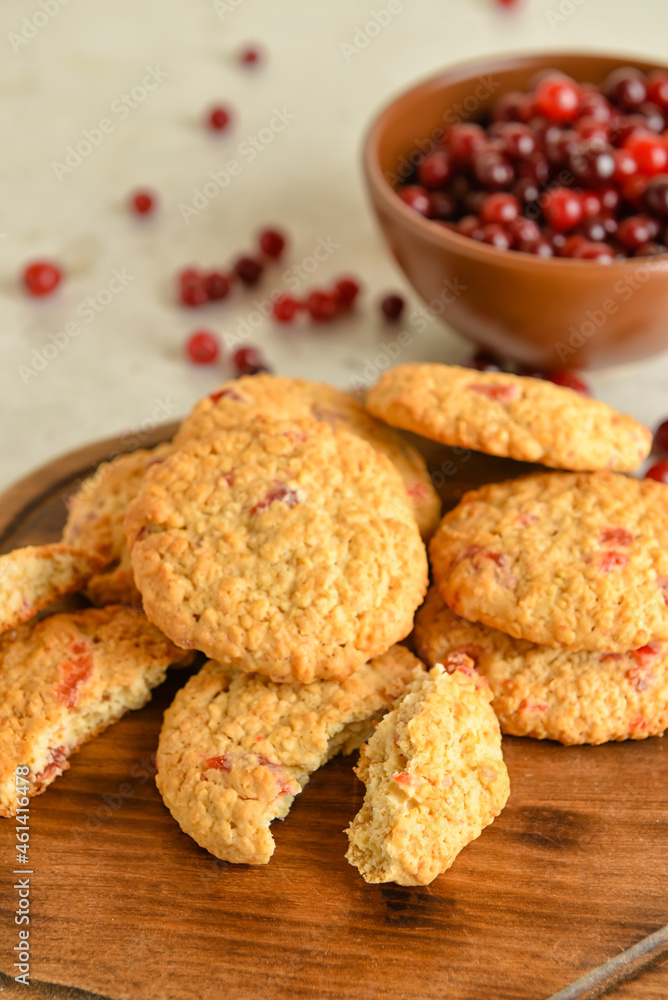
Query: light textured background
point(126, 370)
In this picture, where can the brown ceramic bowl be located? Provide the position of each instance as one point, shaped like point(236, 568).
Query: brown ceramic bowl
point(552, 312)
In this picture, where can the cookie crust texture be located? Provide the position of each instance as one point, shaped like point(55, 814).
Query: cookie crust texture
point(34, 577)
point(284, 548)
point(251, 396)
point(66, 678)
point(554, 694)
point(434, 776)
point(514, 416)
point(563, 559)
point(236, 748)
point(95, 523)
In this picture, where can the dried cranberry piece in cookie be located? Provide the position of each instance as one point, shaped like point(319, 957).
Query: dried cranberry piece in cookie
point(75, 670)
point(279, 492)
point(498, 393)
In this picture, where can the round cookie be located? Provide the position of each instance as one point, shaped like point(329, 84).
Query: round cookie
point(563, 559)
point(236, 748)
point(66, 678)
point(95, 523)
point(295, 399)
point(434, 776)
point(281, 547)
point(527, 419)
point(554, 694)
point(33, 577)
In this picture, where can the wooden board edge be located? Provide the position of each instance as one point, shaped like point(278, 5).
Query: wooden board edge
point(24, 495)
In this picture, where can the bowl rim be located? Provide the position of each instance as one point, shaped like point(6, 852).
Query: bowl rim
point(440, 236)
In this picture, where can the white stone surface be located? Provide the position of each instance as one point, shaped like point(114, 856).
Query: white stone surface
point(126, 367)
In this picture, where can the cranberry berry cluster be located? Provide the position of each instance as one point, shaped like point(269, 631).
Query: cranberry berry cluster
point(566, 169)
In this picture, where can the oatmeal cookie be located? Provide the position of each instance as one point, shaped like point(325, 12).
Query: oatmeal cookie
point(285, 548)
point(66, 678)
point(236, 748)
point(434, 776)
point(561, 559)
point(509, 415)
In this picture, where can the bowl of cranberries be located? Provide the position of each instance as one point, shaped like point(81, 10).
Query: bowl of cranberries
point(526, 199)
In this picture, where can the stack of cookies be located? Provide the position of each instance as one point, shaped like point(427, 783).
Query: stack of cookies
point(282, 535)
point(555, 584)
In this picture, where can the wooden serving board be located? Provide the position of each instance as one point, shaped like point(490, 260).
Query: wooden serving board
point(126, 906)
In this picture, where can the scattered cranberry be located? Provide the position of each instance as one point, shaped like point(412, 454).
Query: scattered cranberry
point(485, 361)
point(416, 198)
point(625, 87)
point(661, 439)
point(659, 471)
point(636, 230)
point(248, 270)
point(219, 118)
point(464, 140)
point(657, 88)
point(347, 290)
point(246, 360)
point(562, 208)
point(217, 286)
point(592, 204)
point(496, 236)
point(435, 170)
point(202, 347)
point(192, 289)
point(493, 170)
point(42, 278)
point(569, 380)
point(272, 243)
point(392, 306)
point(649, 151)
point(251, 55)
point(322, 306)
point(600, 252)
point(285, 308)
point(142, 202)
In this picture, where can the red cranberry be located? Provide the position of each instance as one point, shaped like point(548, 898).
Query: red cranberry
point(600, 252)
point(285, 308)
point(251, 55)
point(636, 230)
point(654, 118)
point(485, 361)
point(41, 278)
point(562, 208)
point(526, 190)
point(592, 162)
point(392, 306)
point(469, 225)
point(416, 198)
point(192, 288)
point(655, 196)
point(593, 230)
point(219, 118)
point(569, 380)
point(571, 244)
point(524, 230)
point(557, 98)
point(629, 125)
point(322, 306)
point(202, 347)
point(347, 290)
point(443, 205)
point(625, 165)
point(518, 140)
point(661, 439)
point(593, 104)
point(634, 189)
point(541, 247)
point(610, 198)
point(435, 170)
point(464, 140)
point(272, 243)
point(474, 201)
point(589, 127)
point(248, 270)
point(496, 236)
point(657, 87)
point(659, 471)
point(509, 107)
point(591, 204)
point(217, 286)
point(493, 170)
point(625, 87)
point(649, 151)
point(246, 360)
point(500, 208)
point(560, 144)
point(651, 250)
point(535, 167)
point(142, 202)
